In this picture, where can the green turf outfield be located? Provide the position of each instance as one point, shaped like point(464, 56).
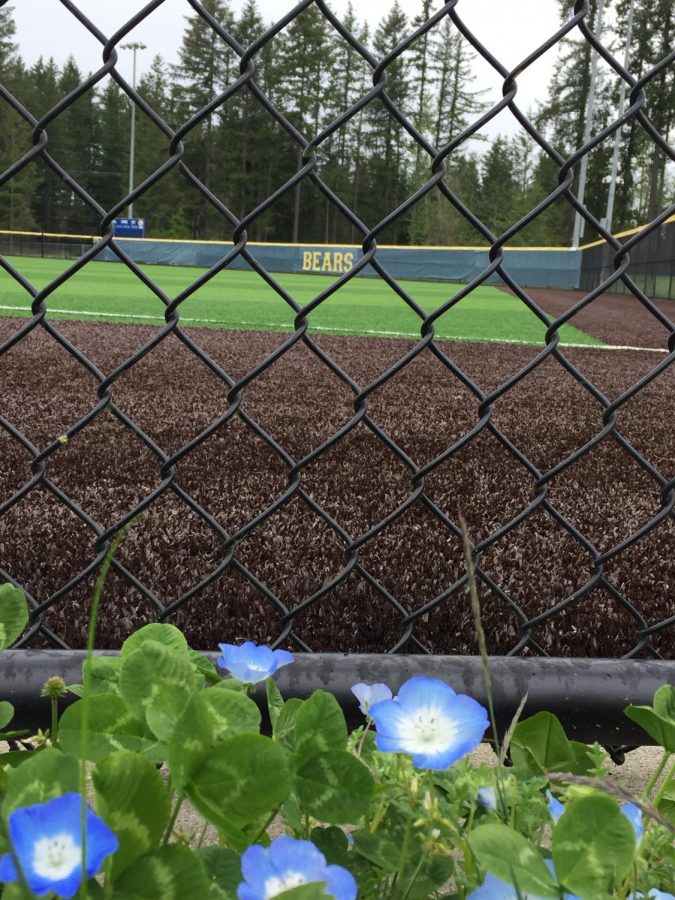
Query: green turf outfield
point(104, 291)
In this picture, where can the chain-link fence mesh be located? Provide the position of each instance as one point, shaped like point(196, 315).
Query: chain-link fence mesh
point(652, 264)
point(357, 575)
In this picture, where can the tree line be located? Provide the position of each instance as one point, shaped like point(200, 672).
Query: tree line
point(311, 74)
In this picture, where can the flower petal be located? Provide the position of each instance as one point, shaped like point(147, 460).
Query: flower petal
point(369, 694)
point(341, 883)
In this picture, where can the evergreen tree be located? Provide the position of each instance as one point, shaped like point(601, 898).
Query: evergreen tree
point(206, 66)
point(15, 140)
point(386, 139)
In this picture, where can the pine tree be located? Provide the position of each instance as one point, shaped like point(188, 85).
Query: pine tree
point(15, 139)
point(206, 67)
point(386, 139)
point(303, 58)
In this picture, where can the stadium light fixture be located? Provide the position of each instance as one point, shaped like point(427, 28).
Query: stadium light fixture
point(134, 46)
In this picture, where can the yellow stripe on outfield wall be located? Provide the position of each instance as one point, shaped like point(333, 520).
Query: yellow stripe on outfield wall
point(485, 247)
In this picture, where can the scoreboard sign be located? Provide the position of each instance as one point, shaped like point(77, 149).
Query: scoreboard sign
point(130, 228)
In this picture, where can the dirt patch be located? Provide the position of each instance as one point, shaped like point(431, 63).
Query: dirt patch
point(198, 506)
point(613, 318)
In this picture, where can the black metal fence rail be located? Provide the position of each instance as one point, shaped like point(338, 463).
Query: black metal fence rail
point(309, 171)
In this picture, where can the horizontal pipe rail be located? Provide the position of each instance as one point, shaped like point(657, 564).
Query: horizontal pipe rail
point(587, 695)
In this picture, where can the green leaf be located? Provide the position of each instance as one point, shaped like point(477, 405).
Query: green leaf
point(132, 798)
point(156, 632)
point(433, 874)
point(223, 871)
point(284, 731)
point(275, 702)
point(666, 804)
point(378, 848)
point(542, 740)
point(661, 729)
point(509, 856)
point(593, 845)
point(204, 666)
point(6, 713)
point(101, 675)
point(111, 727)
point(191, 741)
point(39, 778)
point(333, 843)
point(334, 787)
point(233, 713)
point(13, 615)
point(664, 702)
point(316, 890)
point(172, 873)
point(156, 684)
point(242, 779)
point(319, 726)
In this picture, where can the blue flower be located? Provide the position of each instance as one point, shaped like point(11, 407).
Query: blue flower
point(251, 663)
point(47, 841)
point(632, 812)
point(494, 888)
point(555, 807)
point(634, 816)
point(368, 694)
point(487, 798)
point(288, 863)
point(652, 894)
point(429, 721)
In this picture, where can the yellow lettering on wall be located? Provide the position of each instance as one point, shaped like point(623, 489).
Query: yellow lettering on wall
point(307, 261)
point(338, 261)
point(316, 261)
point(327, 262)
point(349, 261)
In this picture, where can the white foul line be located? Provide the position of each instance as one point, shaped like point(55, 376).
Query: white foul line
point(265, 326)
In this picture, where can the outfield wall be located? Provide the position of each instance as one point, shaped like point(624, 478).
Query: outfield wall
point(533, 267)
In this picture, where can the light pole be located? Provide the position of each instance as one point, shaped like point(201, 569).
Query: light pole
point(136, 45)
point(617, 133)
point(588, 127)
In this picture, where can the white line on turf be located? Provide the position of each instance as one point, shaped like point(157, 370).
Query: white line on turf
point(330, 330)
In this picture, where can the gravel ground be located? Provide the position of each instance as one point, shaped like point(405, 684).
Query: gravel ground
point(300, 403)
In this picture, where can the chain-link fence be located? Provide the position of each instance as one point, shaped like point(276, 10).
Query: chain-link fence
point(535, 526)
point(652, 264)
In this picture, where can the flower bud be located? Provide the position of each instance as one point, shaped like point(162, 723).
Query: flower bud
point(53, 687)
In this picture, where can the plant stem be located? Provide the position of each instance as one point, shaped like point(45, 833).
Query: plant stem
point(359, 749)
point(202, 835)
point(54, 730)
point(666, 781)
point(398, 877)
point(267, 824)
point(172, 820)
point(482, 646)
point(84, 735)
point(656, 775)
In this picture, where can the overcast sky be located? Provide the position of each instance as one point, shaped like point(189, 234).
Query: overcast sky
point(510, 29)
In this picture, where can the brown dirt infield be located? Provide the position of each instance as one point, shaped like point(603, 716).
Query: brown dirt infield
point(613, 318)
point(300, 403)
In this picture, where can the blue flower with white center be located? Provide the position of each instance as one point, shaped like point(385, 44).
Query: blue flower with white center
point(632, 812)
point(428, 720)
point(47, 841)
point(487, 798)
point(368, 694)
point(251, 663)
point(288, 863)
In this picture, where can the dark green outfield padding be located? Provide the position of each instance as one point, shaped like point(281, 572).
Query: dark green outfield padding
point(109, 292)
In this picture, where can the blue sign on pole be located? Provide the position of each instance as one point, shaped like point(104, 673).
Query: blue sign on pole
point(130, 228)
